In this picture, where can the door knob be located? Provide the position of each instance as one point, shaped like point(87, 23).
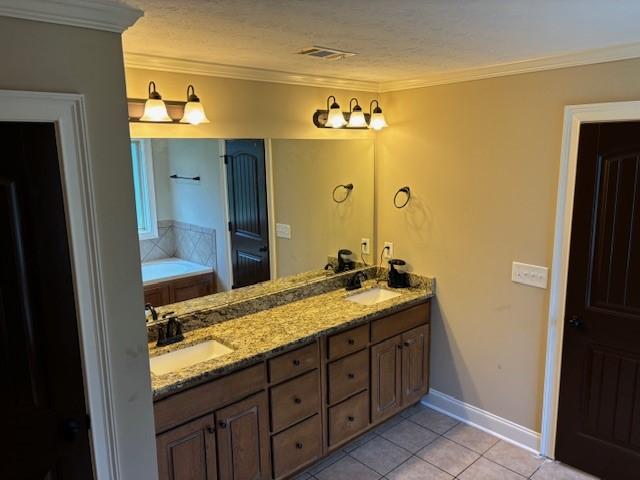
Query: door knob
point(264, 248)
point(576, 322)
point(70, 429)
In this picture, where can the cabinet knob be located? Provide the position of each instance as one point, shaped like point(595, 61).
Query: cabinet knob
point(299, 445)
point(407, 344)
point(351, 418)
point(211, 429)
point(351, 375)
point(296, 363)
point(297, 400)
point(222, 424)
point(351, 341)
point(399, 347)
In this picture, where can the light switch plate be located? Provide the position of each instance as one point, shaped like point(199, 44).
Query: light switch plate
point(531, 275)
point(283, 230)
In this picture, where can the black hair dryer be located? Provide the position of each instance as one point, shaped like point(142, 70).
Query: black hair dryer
point(398, 277)
point(345, 260)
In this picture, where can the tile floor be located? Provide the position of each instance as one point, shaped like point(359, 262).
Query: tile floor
point(422, 444)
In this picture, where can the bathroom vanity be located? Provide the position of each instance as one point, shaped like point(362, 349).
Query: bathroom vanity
point(297, 381)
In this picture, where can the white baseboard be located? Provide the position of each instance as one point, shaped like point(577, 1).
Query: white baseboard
point(490, 423)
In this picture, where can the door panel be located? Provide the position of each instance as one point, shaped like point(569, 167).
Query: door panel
point(386, 380)
point(599, 408)
point(415, 364)
point(243, 440)
point(249, 225)
point(188, 452)
point(42, 406)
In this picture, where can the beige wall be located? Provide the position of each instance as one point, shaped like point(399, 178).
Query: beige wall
point(482, 160)
point(242, 108)
point(54, 58)
point(304, 175)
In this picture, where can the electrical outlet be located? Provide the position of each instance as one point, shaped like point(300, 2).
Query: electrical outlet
point(388, 252)
point(365, 246)
point(531, 275)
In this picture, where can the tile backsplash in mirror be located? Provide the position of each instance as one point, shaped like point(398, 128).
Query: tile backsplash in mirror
point(183, 240)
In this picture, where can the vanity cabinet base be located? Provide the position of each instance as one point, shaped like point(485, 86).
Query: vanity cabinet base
point(179, 290)
point(276, 418)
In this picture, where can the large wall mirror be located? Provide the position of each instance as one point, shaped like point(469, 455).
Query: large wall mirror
point(218, 214)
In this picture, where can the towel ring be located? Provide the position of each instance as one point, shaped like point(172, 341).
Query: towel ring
point(405, 190)
point(348, 187)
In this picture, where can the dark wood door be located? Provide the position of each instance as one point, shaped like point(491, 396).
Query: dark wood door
point(386, 379)
point(243, 440)
point(42, 404)
point(599, 409)
point(249, 224)
point(415, 364)
point(188, 452)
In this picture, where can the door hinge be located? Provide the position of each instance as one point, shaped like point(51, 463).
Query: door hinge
point(226, 159)
point(230, 226)
point(88, 422)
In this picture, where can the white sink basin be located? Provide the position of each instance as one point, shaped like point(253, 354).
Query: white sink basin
point(373, 296)
point(185, 357)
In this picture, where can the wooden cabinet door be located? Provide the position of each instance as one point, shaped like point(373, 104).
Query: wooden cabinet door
point(386, 381)
point(188, 452)
point(157, 295)
point(415, 364)
point(243, 440)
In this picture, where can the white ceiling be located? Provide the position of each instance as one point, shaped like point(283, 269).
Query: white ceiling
point(395, 40)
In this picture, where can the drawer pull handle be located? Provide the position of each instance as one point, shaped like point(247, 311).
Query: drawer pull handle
point(399, 347)
point(211, 429)
point(351, 375)
point(407, 344)
point(299, 445)
point(297, 400)
point(296, 363)
point(222, 424)
point(351, 341)
point(351, 418)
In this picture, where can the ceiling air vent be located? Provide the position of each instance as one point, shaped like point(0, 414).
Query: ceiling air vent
point(326, 53)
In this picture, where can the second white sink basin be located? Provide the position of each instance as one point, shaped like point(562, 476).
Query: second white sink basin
point(373, 296)
point(185, 357)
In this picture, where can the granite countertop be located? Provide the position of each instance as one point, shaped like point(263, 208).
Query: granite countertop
point(260, 335)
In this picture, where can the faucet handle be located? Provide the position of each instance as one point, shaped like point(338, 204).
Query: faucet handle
point(161, 334)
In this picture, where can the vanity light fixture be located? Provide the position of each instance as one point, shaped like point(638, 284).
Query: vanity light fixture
point(376, 117)
point(155, 109)
point(193, 109)
point(356, 115)
point(335, 117)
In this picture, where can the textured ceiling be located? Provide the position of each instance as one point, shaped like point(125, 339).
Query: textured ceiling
point(395, 40)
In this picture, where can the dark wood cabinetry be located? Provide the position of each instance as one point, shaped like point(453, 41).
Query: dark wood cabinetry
point(189, 451)
point(275, 418)
point(243, 440)
point(179, 290)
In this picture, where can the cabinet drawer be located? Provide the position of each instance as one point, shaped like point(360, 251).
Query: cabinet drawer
point(186, 405)
point(392, 325)
point(348, 418)
point(348, 376)
point(294, 400)
point(348, 342)
point(293, 363)
point(297, 446)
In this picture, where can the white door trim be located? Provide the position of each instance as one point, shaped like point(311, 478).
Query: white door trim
point(271, 211)
point(574, 116)
point(67, 111)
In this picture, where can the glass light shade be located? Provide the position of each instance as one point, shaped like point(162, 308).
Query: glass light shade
point(377, 121)
point(155, 111)
point(335, 118)
point(357, 120)
point(194, 114)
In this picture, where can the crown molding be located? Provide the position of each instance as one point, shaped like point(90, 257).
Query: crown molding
point(587, 57)
point(108, 15)
point(166, 64)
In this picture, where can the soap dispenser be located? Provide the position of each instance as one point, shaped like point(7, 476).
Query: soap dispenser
point(398, 277)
